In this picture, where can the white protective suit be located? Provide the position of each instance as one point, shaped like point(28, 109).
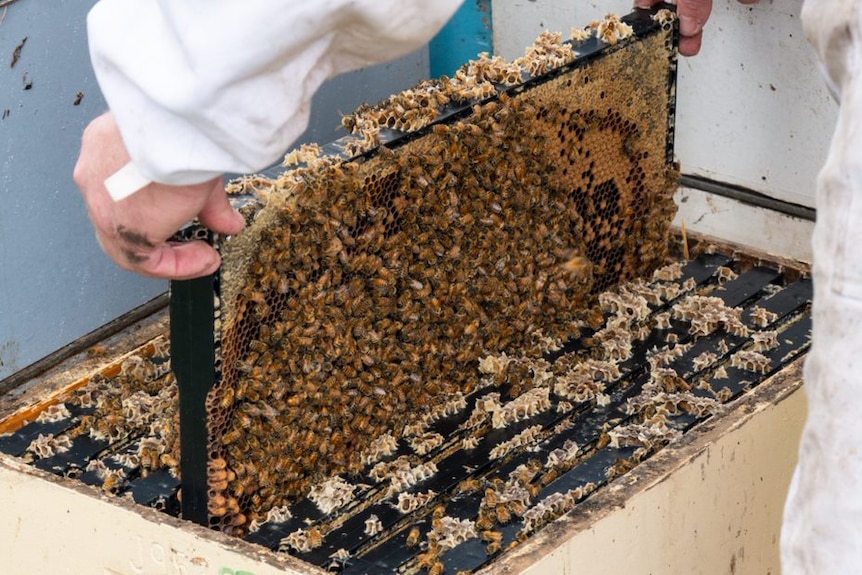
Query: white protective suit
point(822, 532)
point(203, 87)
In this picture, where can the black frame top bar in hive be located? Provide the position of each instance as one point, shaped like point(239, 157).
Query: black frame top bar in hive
point(469, 217)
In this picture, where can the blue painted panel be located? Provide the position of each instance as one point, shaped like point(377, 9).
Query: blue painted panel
point(55, 284)
point(467, 34)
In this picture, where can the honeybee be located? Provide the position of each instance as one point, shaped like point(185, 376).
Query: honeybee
point(168, 460)
point(471, 328)
point(217, 506)
point(549, 477)
point(484, 522)
point(244, 420)
point(97, 350)
point(503, 515)
point(578, 266)
point(517, 508)
point(413, 537)
point(430, 557)
point(231, 436)
point(243, 366)
point(227, 398)
point(470, 485)
point(315, 537)
point(491, 497)
point(113, 481)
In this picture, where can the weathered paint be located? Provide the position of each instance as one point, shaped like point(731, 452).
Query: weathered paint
point(55, 284)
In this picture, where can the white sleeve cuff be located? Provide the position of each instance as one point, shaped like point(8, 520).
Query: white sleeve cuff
point(125, 182)
point(203, 87)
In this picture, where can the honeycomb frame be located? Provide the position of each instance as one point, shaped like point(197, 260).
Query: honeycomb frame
point(375, 281)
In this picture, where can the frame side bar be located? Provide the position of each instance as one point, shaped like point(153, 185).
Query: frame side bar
point(193, 363)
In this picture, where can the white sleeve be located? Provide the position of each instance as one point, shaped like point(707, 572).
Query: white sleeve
point(203, 87)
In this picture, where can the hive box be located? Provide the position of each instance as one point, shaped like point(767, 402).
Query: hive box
point(711, 504)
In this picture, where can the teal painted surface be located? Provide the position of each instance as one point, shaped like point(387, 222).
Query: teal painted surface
point(468, 33)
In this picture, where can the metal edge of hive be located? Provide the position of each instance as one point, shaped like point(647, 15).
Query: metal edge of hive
point(194, 304)
point(193, 353)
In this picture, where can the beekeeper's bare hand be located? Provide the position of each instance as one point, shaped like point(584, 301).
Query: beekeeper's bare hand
point(693, 15)
point(134, 231)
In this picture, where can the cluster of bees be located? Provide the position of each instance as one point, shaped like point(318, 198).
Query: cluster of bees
point(142, 400)
point(138, 405)
point(515, 498)
point(479, 79)
point(355, 300)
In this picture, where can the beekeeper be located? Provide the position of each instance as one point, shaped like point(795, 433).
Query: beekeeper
point(823, 515)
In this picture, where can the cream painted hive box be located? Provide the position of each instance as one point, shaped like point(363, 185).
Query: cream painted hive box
point(710, 504)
